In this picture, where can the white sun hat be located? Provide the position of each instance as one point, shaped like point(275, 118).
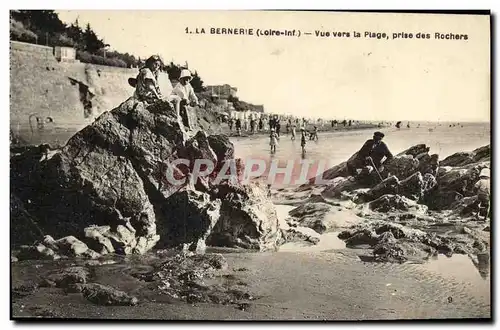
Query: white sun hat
point(485, 172)
point(185, 73)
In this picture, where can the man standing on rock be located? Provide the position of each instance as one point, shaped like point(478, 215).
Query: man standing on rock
point(370, 154)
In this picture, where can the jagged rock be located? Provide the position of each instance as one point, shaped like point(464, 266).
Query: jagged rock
point(69, 276)
point(105, 172)
point(50, 242)
point(37, 252)
point(386, 237)
point(465, 206)
point(314, 216)
point(70, 245)
point(248, 219)
point(114, 173)
point(389, 186)
point(217, 261)
point(192, 215)
point(390, 203)
point(300, 234)
point(145, 243)
point(322, 217)
point(342, 186)
point(198, 147)
point(402, 166)
point(414, 186)
point(339, 170)
point(24, 228)
point(97, 241)
point(401, 251)
point(399, 231)
point(362, 237)
point(223, 148)
point(414, 151)
point(429, 164)
point(442, 170)
point(107, 296)
point(454, 185)
point(481, 154)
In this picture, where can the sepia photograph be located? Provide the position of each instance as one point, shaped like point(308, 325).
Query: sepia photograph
point(250, 165)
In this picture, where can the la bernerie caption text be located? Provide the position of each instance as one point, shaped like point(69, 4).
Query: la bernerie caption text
point(440, 35)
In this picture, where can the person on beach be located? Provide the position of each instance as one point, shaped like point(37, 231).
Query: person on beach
point(314, 134)
point(278, 127)
point(252, 126)
point(146, 84)
point(273, 137)
point(303, 139)
point(482, 188)
point(261, 124)
point(293, 132)
point(230, 124)
point(287, 127)
point(238, 126)
point(371, 154)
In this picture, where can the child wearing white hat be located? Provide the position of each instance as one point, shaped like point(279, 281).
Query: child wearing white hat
point(482, 187)
point(273, 137)
point(184, 90)
point(303, 139)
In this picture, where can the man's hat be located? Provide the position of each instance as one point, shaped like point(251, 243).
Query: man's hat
point(378, 134)
point(485, 172)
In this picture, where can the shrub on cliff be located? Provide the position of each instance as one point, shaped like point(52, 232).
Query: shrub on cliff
point(94, 59)
point(20, 33)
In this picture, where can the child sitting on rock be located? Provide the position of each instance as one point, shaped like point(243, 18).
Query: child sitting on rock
point(482, 187)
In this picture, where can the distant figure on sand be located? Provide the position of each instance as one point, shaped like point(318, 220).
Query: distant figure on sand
point(293, 132)
point(303, 139)
point(273, 137)
point(370, 154)
point(482, 188)
point(230, 124)
point(408, 125)
point(261, 124)
point(398, 124)
point(238, 126)
point(314, 134)
point(278, 127)
point(252, 126)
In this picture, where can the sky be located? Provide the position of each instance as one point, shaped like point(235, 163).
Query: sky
point(346, 78)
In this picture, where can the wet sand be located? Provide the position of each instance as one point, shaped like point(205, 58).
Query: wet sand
point(328, 285)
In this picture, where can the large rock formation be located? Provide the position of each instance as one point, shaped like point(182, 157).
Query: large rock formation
point(114, 174)
point(481, 154)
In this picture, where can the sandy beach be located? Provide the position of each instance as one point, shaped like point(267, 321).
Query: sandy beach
point(301, 281)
